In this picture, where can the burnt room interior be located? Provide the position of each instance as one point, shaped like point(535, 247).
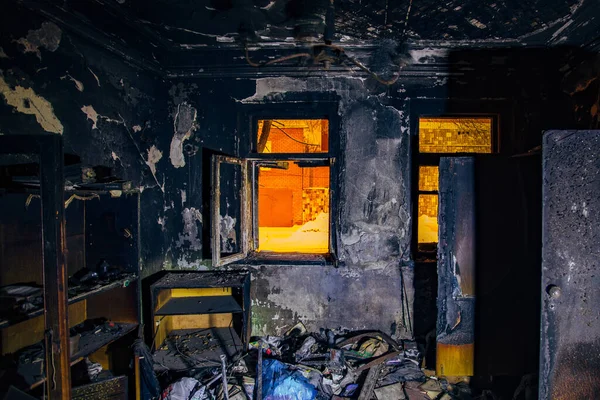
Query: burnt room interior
point(300, 199)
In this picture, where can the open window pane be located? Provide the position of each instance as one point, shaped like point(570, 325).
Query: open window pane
point(229, 210)
point(293, 136)
point(293, 208)
point(428, 222)
point(428, 178)
point(455, 135)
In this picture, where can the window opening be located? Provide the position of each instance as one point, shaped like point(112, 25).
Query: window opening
point(439, 136)
point(428, 204)
point(455, 135)
point(293, 196)
point(293, 136)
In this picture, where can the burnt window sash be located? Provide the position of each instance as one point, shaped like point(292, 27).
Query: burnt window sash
point(244, 208)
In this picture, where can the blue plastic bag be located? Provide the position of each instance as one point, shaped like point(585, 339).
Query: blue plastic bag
point(280, 382)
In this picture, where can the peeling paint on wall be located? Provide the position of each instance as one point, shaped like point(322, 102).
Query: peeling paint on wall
point(228, 234)
point(48, 37)
point(26, 101)
point(192, 218)
point(77, 83)
point(184, 123)
point(95, 77)
point(154, 156)
point(92, 115)
point(268, 86)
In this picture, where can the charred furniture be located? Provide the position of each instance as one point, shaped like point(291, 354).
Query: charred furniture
point(68, 274)
point(198, 316)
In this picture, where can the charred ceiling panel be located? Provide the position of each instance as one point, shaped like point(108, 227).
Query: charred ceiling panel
point(153, 30)
point(569, 362)
point(225, 21)
point(450, 20)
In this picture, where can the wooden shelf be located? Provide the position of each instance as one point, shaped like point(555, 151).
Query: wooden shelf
point(199, 305)
point(124, 281)
point(121, 282)
point(91, 343)
point(196, 348)
point(5, 323)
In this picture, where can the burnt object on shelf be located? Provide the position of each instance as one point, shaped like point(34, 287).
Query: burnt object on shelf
point(30, 363)
point(18, 300)
point(82, 276)
point(95, 325)
point(107, 271)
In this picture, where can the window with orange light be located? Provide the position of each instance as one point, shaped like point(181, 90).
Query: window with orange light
point(293, 191)
point(440, 136)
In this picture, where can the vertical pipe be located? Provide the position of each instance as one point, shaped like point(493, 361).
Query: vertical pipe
point(456, 268)
point(224, 376)
point(259, 373)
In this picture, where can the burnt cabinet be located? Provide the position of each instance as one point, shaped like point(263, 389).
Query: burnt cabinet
point(69, 275)
point(198, 316)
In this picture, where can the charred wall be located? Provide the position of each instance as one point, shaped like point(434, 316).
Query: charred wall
point(159, 128)
point(373, 233)
point(108, 110)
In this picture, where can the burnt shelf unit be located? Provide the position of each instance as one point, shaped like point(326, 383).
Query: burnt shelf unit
point(198, 316)
point(50, 235)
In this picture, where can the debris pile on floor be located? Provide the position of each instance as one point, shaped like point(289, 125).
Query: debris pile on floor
point(326, 365)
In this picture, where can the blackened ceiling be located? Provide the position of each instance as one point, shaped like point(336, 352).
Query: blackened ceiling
point(211, 22)
point(164, 29)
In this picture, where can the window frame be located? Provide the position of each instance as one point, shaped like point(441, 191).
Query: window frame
point(248, 127)
point(433, 159)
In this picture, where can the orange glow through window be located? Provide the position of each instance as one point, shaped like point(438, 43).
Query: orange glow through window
point(293, 200)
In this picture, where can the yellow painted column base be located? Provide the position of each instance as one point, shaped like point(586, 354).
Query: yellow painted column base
point(455, 360)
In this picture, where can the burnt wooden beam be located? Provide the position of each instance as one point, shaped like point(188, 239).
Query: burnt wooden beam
point(49, 149)
point(55, 273)
point(456, 267)
point(370, 381)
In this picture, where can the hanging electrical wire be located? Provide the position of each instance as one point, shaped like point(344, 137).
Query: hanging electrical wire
point(326, 58)
point(294, 139)
point(275, 61)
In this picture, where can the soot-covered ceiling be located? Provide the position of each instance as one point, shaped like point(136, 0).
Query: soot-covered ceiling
point(187, 24)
